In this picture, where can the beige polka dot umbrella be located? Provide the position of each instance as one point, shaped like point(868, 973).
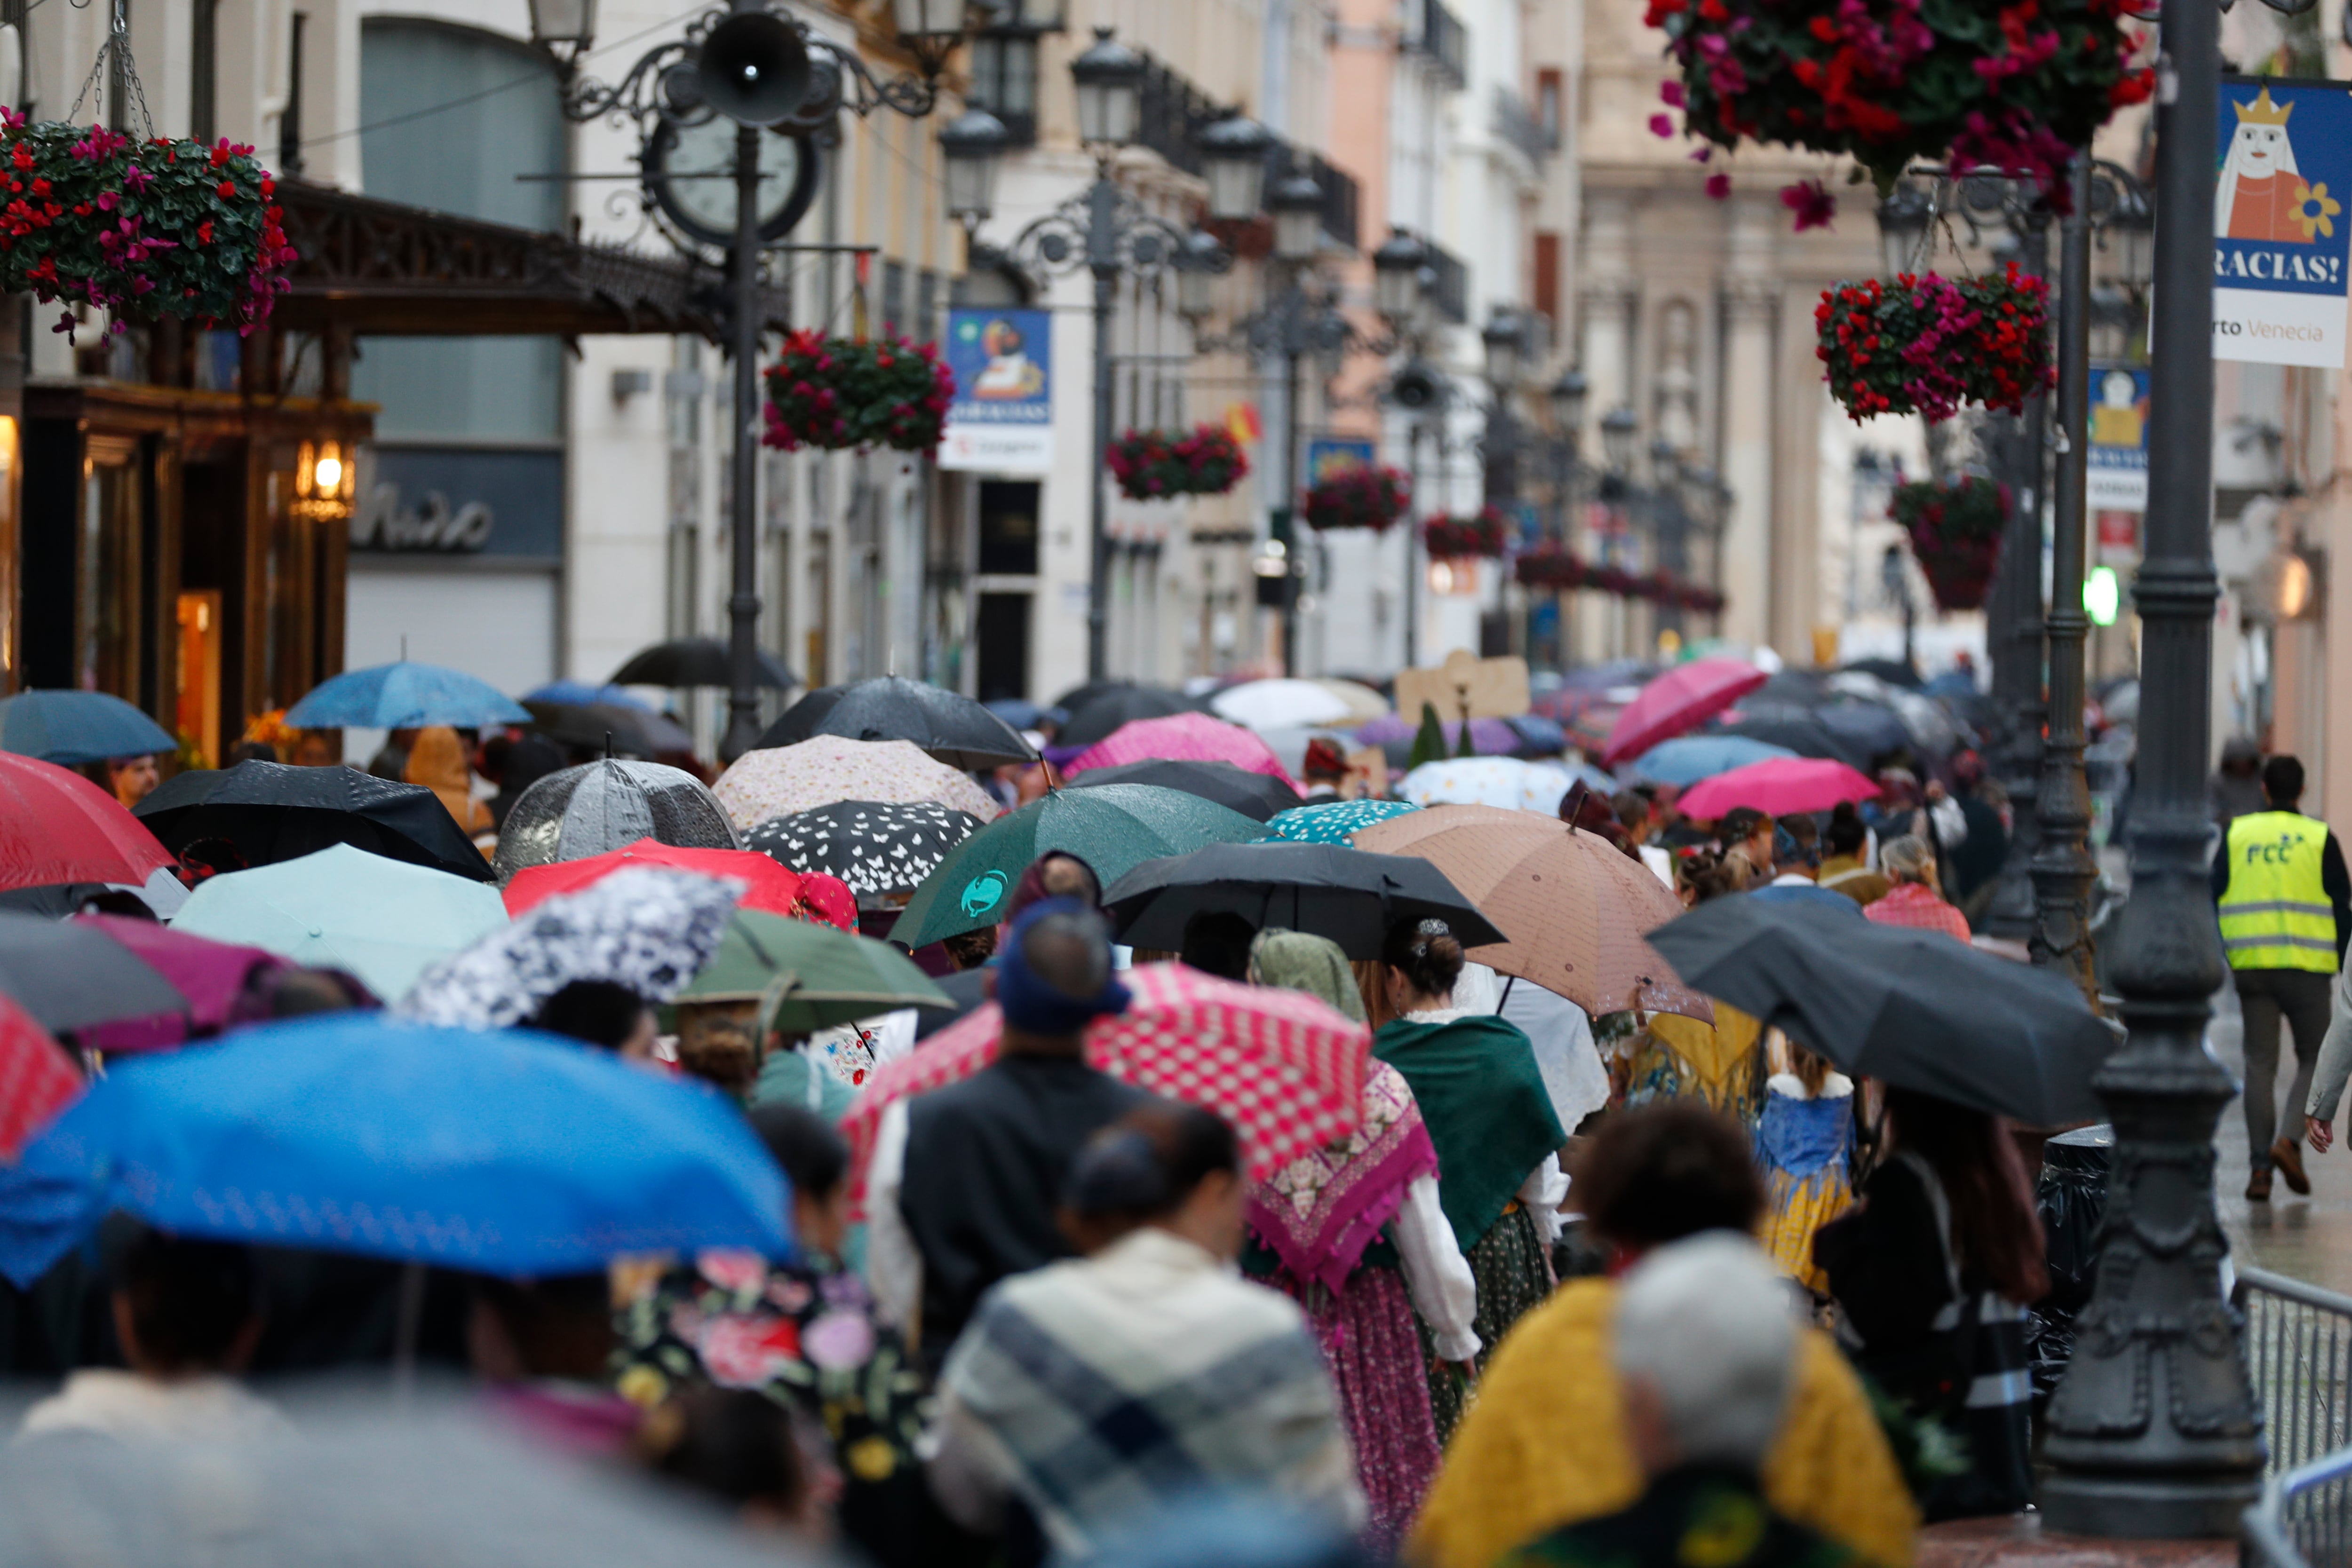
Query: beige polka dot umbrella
point(777, 781)
point(1576, 906)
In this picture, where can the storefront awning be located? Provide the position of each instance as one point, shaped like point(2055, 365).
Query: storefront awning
point(373, 267)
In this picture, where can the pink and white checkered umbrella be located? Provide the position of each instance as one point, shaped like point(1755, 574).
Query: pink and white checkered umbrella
point(1182, 736)
point(1286, 1070)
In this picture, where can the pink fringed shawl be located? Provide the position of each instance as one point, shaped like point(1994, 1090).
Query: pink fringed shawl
point(1321, 1210)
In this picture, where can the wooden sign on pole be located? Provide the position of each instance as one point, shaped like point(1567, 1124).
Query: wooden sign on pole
point(1486, 688)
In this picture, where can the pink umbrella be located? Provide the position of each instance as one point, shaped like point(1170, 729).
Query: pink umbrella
point(214, 977)
point(1683, 698)
point(1782, 785)
point(1181, 737)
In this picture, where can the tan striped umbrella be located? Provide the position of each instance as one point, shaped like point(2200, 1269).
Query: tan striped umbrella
point(1576, 907)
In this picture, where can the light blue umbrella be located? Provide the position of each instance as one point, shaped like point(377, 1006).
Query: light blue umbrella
point(343, 908)
point(506, 1153)
point(579, 693)
point(404, 695)
point(1332, 821)
point(1687, 760)
point(70, 728)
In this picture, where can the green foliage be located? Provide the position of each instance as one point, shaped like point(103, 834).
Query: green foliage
point(847, 393)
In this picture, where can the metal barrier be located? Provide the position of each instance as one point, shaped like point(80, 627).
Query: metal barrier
point(2298, 1347)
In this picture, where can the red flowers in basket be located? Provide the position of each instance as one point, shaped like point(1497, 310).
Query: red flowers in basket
point(1926, 344)
point(1157, 464)
point(1357, 497)
point(1981, 84)
point(844, 393)
point(141, 229)
point(1488, 534)
point(1956, 527)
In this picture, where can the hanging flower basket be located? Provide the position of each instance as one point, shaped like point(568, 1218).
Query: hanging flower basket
point(1356, 499)
point(141, 229)
point(1485, 535)
point(1158, 464)
point(1928, 344)
point(1956, 531)
point(1551, 566)
point(846, 392)
point(2017, 87)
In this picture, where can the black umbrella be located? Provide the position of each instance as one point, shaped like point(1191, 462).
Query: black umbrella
point(70, 975)
point(875, 846)
point(951, 727)
point(1912, 1007)
point(1803, 732)
point(1104, 709)
point(1893, 671)
point(696, 662)
point(1254, 795)
point(1876, 729)
point(271, 812)
point(1348, 895)
point(634, 731)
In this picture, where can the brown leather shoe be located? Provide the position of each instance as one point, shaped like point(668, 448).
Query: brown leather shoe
point(2258, 1187)
point(2287, 1156)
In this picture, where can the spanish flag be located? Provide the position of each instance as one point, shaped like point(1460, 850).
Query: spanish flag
point(1242, 422)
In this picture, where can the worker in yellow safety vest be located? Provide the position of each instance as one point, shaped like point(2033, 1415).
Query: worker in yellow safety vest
point(2285, 905)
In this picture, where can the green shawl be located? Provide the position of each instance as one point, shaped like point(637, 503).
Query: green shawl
point(1487, 1113)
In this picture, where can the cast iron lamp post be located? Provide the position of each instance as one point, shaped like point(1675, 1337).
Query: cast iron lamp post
point(2156, 1430)
point(1109, 233)
point(783, 86)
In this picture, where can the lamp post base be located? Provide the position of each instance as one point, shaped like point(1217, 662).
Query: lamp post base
point(2147, 1508)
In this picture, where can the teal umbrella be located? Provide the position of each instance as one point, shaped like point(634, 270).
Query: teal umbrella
point(383, 920)
point(71, 727)
point(1333, 822)
point(1113, 828)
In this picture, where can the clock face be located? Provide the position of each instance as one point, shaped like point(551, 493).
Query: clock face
point(691, 172)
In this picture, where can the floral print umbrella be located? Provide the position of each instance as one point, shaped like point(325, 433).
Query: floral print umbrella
point(1487, 781)
point(875, 846)
point(649, 928)
point(779, 781)
point(1333, 822)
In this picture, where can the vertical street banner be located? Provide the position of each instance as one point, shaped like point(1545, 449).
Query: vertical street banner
point(2280, 234)
point(2118, 456)
point(1328, 456)
point(1002, 420)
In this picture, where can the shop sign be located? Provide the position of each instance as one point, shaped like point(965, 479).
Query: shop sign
point(1002, 420)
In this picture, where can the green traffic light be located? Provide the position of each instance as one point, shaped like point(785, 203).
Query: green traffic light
point(2103, 595)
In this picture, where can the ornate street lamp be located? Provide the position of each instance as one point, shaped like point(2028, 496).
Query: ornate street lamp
point(1618, 428)
point(565, 28)
point(972, 145)
point(1110, 77)
point(1567, 399)
point(1233, 152)
point(1397, 292)
point(1903, 217)
point(1297, 202)
point(1199, 261)
point(1504, 338)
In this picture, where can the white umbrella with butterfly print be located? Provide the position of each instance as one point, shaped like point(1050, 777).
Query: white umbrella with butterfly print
point(878, 847)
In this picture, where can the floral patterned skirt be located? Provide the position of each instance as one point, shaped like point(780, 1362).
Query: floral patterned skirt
point(1514, 1274)
point(1368, 1336)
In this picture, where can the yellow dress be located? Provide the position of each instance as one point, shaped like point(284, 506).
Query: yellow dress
point(1544, 1446)
point(1719, 1063)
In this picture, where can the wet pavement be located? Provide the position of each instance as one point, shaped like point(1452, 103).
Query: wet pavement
point(2309, 1238)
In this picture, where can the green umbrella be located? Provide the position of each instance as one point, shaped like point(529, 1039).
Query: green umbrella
point(1114, 829)
point(820, 977)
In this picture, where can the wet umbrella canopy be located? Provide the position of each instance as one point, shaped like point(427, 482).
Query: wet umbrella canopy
point(1911, 1007)
point(614, 726)
point(599, 807)
point(1342, 894)
point(72, 728)
point(70, 973)
point(875, 846)
point(950, 728)
point(696, 662)
point(1096, 712)
point(1251, 794)
point(272, 813)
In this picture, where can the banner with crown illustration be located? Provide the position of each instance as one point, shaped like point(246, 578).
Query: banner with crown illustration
point(2281, 233)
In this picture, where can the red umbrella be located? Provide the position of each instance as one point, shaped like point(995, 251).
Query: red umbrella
point(37, 1080)
point(56, 826)
point(1782, 785)
point(775, 887)
point(1683, 698)
point(1285, 1068)
point(215, 977)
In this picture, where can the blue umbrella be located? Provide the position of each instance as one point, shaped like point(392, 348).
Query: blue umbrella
point(1332, 821)
point(1688, 758)
point(579, 693)
point(508, 1152)
point(404, 695)
point(69, 727)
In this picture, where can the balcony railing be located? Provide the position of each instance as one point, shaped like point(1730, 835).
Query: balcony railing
point(1517, 124)
point(1174, 112)
point(1437, 35)
point(1449, 287)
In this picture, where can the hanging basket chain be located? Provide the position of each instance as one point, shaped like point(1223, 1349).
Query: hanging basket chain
point(116, 47)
